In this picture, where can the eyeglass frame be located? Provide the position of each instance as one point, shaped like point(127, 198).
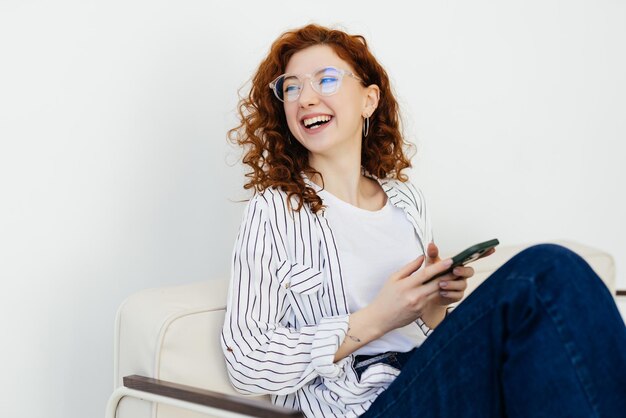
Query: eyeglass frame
point(341, 71)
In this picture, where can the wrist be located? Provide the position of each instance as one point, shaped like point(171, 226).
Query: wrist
point(371, 324)
point(433, 314)
point(433, 307)
point(362, 329)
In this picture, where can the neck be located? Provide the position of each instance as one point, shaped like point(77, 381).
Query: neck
point(342, 178)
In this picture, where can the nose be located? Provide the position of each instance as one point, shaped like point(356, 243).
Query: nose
point(308, 96)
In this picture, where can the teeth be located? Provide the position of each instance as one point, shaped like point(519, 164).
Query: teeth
point(310, 121)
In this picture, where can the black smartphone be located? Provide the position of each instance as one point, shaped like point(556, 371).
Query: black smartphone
point(467, 256)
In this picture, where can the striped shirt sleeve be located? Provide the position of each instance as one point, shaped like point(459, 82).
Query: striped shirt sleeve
point(424, 212)
point(428, 236)
point(264, 353)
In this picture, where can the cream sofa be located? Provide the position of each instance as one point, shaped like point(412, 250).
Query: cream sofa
point(172, 334)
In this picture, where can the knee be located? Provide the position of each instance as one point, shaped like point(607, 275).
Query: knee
point(554, 258)
point(550, 252)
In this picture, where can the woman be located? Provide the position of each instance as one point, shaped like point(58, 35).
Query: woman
point(328, 309)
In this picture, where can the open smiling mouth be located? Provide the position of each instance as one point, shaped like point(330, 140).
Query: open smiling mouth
point(316, 122)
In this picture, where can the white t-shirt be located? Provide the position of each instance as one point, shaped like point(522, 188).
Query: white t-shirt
point(372, 245)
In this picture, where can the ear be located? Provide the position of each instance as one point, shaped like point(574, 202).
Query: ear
point(372, 96)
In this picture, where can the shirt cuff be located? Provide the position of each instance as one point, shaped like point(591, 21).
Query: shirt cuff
point(330, 334)
point(426, 330)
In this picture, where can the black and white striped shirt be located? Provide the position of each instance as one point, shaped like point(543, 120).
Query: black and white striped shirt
point(287, 312)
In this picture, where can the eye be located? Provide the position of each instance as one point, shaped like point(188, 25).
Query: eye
point(291, 92)
point(327, 84)
point(291, 85)
point(327, 80)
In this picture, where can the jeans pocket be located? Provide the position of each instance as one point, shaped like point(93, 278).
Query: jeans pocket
point(394, 362)
point(362, 363)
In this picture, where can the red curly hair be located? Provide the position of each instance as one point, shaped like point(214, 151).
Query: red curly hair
point(275, 160)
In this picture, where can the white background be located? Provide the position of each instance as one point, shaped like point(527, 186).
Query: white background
point(115, 173)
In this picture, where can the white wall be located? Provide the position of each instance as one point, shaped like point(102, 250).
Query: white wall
point(115, 175)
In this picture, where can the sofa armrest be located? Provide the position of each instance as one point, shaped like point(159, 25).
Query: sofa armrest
point(237, 404)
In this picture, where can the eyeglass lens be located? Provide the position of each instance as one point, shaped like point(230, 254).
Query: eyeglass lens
point(325, 81)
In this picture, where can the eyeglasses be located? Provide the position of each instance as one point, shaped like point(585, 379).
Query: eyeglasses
point(325, 81)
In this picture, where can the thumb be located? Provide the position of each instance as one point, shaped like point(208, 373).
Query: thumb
point(432, 250)
point(409, 268)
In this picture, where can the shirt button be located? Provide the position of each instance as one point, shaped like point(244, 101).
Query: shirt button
point(229, 349)
point(287, 285)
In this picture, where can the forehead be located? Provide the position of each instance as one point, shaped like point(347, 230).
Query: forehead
point(314, 57)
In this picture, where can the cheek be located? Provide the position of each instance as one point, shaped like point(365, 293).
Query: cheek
point(351, 118)
point(349, 109)
point(291, 117)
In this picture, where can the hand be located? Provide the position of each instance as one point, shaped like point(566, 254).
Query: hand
point(404, 297)
point(452, 286)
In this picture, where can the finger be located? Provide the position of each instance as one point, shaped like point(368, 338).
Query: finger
point(451, 296)
point(409, 268)
point(465, 272)
point(487, 253)
point(421, 295)
point(434, 296)
point(432, 250)
point(453, 285)
point(447, 277)
point(430, 290)
point(432, 271)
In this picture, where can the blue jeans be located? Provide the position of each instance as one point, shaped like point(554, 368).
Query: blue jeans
point(542, 337)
